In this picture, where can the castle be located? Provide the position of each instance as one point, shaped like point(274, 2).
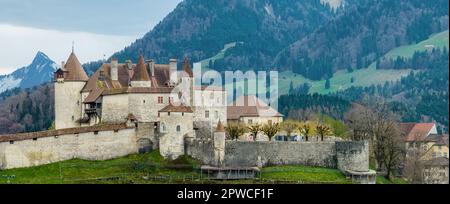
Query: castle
point(127, 108)
point(117, 92)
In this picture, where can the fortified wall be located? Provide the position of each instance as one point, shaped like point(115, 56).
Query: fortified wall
point(113, 141)
point(90, 143)
point(342, 155)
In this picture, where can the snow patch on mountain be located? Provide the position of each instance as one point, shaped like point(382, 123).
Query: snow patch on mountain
point(9, 82)
point(40, 71)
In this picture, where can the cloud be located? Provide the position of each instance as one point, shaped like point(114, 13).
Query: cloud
point(20, 44)
point(111, 17)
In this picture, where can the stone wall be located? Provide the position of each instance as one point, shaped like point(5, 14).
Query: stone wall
point(101, 145)
point(250, 154)
point(201, 149)
point(115, 108)
point(343, 155)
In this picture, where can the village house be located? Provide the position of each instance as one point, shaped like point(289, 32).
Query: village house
point(423, 141)
point(252, 110)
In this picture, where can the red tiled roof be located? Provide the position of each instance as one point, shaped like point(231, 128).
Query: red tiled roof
point(93, 96)
point(174, 108)
point(187, 67)
point(250, 106)
point(141, 72)
point(52, 133)
point(416, 131)
point(73, 70)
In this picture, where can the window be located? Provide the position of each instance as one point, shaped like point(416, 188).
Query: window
point(163, 128)
point(143, 101)
point(250, 122)
point(160, 100)
point(11, 142)
point(73, 118)
point(170, 99)
point(95, 132)
point(178, 128)
point(35, 139)
point(206, 114)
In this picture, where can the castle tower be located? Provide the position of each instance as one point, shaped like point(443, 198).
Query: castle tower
point(187, 79)
point(69, 81)
point(176, 124)
point(219, 145)
point(141, 77)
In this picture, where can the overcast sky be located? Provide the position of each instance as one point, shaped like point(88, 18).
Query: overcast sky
point(98, 27)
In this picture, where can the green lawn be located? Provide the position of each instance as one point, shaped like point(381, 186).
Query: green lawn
point(132, 167)
point(383, 180)
point(305, 174)
point(149, 168)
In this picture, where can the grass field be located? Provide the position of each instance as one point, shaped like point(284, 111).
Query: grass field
point(369, 76)
point(439, 40)
point(135, 169)
point(220, 55)
point(151, 168)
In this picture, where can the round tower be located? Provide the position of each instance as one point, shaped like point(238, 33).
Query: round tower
point(70, 79)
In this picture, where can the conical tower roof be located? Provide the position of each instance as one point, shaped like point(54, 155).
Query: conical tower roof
point(140, 73)
point(74, 70)
point(220, 127)
point(187, 67)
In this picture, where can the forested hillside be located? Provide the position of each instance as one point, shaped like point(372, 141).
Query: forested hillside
point(199, 29)
point(421, 96)
point(27, 111)
point(362, 33)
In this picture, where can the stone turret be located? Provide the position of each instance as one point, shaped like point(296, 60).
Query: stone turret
point(219, 145)
point(70, 80)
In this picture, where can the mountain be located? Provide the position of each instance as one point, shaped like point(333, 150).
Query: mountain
point(199, 29)
point(361, 34)
point(38, 72)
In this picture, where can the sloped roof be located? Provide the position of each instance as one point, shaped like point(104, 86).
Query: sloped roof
point(141, 73)
point(220, 127)
point(250, 106)
point(416, 131)
point(52, 133)
point(93, 96)
point(187, 68)
point(73, 70)
point(175, 109)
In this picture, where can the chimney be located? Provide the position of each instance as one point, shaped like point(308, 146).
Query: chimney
point(151, 64)
point(173, 71)
point(114, 70)
point(129, 64)
point(63, 64)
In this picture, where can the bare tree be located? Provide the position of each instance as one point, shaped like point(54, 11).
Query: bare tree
point(235, 130)
point(254, 129)
point(289, 126)
point(323, 130)
point(306, 129)
point(377, 124)
point(271, 129)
